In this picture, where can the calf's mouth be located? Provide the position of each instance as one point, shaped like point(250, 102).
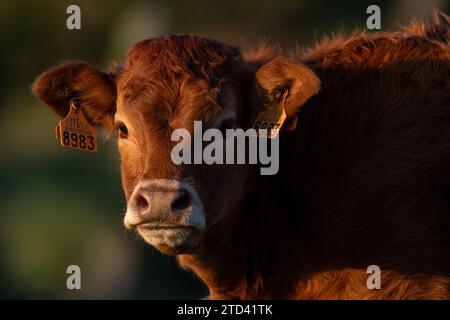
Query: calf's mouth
point(167, 214)
point(170, 239)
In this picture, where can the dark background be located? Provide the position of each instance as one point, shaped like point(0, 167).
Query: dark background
point(61, 207)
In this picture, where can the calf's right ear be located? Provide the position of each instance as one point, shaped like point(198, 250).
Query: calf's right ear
point(95, 90)
point(285, 80)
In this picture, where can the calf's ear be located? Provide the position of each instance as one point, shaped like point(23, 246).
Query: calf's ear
point(95, 90)
point(288, 79)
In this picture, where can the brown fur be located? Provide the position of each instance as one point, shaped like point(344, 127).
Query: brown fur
point(364, 179)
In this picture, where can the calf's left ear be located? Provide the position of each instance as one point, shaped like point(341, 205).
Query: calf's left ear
point(94, 89)
point(288, 79)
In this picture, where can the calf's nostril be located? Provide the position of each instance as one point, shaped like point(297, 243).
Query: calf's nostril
point(182, 201)
point(140, 203)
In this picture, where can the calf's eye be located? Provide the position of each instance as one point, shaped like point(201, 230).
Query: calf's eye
point(227, 124)
point(123, 130)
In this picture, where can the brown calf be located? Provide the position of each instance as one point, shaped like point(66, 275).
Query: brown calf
point(364, 178)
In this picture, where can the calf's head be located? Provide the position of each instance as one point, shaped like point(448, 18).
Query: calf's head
point(165, 84)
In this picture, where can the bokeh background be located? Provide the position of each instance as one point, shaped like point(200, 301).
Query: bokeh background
point(60, 207)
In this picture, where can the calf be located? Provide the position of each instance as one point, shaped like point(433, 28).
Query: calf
point(364, 174)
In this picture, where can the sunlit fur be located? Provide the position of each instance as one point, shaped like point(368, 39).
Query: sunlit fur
point(364, 179)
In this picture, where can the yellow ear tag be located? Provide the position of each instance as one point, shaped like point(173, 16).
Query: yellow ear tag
point(271, 118)
point(75, 132)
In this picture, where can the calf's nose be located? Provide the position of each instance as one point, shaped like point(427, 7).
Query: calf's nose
point(181, 201)
point(152, 203)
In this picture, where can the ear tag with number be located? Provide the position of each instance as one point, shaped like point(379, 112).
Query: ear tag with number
point(75, 132)
point(271, 118)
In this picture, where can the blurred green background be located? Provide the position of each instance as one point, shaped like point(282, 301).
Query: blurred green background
point(61, 207)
